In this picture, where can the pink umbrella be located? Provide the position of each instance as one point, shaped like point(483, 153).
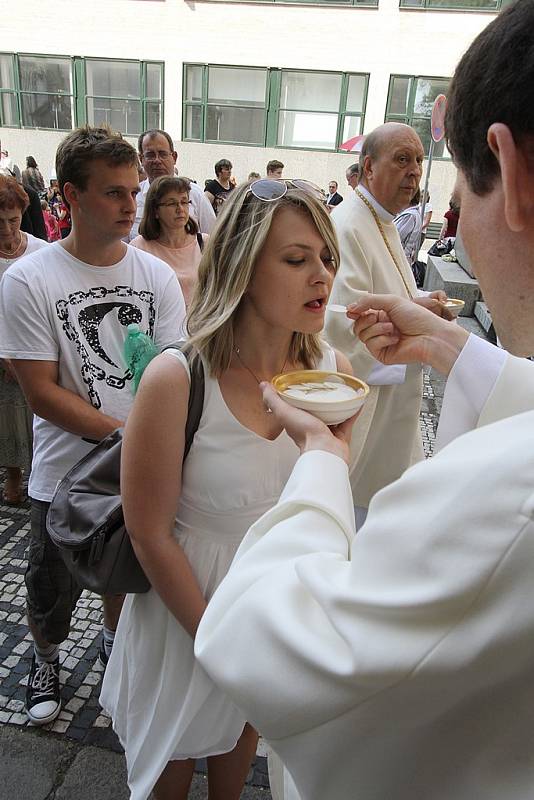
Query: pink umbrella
point(353, 145)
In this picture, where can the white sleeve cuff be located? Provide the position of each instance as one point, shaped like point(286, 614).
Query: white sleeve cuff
point(468, 387)
point(382, 375)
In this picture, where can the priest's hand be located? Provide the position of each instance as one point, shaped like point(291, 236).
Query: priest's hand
point(398, 331)
point(435, 302)
point(308, 432)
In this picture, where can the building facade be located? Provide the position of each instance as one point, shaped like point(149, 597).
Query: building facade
point(249, 81)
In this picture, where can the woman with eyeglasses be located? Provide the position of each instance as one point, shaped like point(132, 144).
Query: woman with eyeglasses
point(258, 310)
point(168, 232)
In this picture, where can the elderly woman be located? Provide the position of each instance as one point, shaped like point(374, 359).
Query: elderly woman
point(15, 416)
point(168, 232)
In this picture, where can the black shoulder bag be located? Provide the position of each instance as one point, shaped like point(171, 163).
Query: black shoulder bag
point(85, 519)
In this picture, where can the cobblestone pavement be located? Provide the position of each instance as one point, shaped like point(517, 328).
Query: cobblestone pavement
point(81, 719)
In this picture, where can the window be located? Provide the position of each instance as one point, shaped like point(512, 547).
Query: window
point(271, 107)
point(36, 91)
point(124, 94)
point(362, 3)
point(410, 100)
point(464, 5)
point(225, 104)
point(9, 113)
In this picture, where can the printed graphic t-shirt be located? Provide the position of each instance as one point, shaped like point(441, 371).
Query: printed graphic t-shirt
point(54, 307)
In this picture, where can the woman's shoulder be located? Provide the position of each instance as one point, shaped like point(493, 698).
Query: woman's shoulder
point(141, 243)
point(34, 243)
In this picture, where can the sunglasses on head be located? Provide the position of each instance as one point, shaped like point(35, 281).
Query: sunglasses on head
point(268, 190)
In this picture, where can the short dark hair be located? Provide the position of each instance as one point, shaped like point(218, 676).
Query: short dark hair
point(222, 164)
point(334, 182)
point(31, 163)
point(494, 82)
point(273, 165)
point(12, 195)
point(151, 133)
point(150, 227)
point(253, 176)
point(82, 147)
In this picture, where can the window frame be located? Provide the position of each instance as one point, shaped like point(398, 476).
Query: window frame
point(426, 5)
point(204, 103)
point(410, 115)
point(19, 92)
point(79, 96)
point(272, 105)
point(83, 97)
point(373, 4)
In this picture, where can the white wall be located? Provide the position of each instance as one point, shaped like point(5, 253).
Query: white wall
point(380, 41)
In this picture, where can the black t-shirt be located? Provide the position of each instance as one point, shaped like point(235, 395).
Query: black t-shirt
point(219, 193)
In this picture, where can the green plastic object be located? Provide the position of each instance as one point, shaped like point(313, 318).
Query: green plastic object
point(139, 350)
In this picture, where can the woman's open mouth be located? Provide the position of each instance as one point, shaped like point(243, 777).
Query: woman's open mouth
point(317, 305)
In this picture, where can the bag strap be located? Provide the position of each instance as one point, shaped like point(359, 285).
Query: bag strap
point(195, 404)
point(200, 240)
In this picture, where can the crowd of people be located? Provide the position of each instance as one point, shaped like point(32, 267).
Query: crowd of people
point(391, 662)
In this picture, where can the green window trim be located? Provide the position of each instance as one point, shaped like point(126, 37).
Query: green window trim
point(410, 116)
point(14, 99)
point(195, 109)
point(326, 3)
point(142, 100)
point(21, 97)
point(483, 6)
point(204, 107)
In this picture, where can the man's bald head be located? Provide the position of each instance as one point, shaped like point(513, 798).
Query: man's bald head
point(375, 141)
point(392, 162)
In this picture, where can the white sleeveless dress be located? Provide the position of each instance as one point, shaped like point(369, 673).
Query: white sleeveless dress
point(163, 704)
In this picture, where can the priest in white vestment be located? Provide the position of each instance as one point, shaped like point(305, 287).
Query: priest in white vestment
point(399, 662)
point(387, 438)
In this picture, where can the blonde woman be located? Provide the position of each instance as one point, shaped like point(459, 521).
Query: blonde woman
point(168, 232)
point(258, 310)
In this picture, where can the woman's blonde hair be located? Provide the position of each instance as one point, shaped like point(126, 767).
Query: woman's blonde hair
point(226, 270)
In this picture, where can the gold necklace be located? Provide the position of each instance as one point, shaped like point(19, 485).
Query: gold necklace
point(372, 209)
point(238, 354)
point(12, 253)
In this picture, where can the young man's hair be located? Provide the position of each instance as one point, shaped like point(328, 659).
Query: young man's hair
point(494, 82)
point(12, 195)
point(150, 134)
point(253, 176)
point(150, 227)
point(272, 166)
point(77, 152)
point(222, 164)
point(334, 183)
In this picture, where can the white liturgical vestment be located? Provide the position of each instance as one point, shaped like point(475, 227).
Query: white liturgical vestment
point(387, 438)
point(397, 663)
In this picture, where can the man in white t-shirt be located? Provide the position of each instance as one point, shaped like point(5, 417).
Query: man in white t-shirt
point(64, 312)
point(158, 157)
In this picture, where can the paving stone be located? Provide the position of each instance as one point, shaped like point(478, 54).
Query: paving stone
point(29, 763)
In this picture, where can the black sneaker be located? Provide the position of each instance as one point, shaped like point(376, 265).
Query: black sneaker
point(103, 657)
point(43, 702)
